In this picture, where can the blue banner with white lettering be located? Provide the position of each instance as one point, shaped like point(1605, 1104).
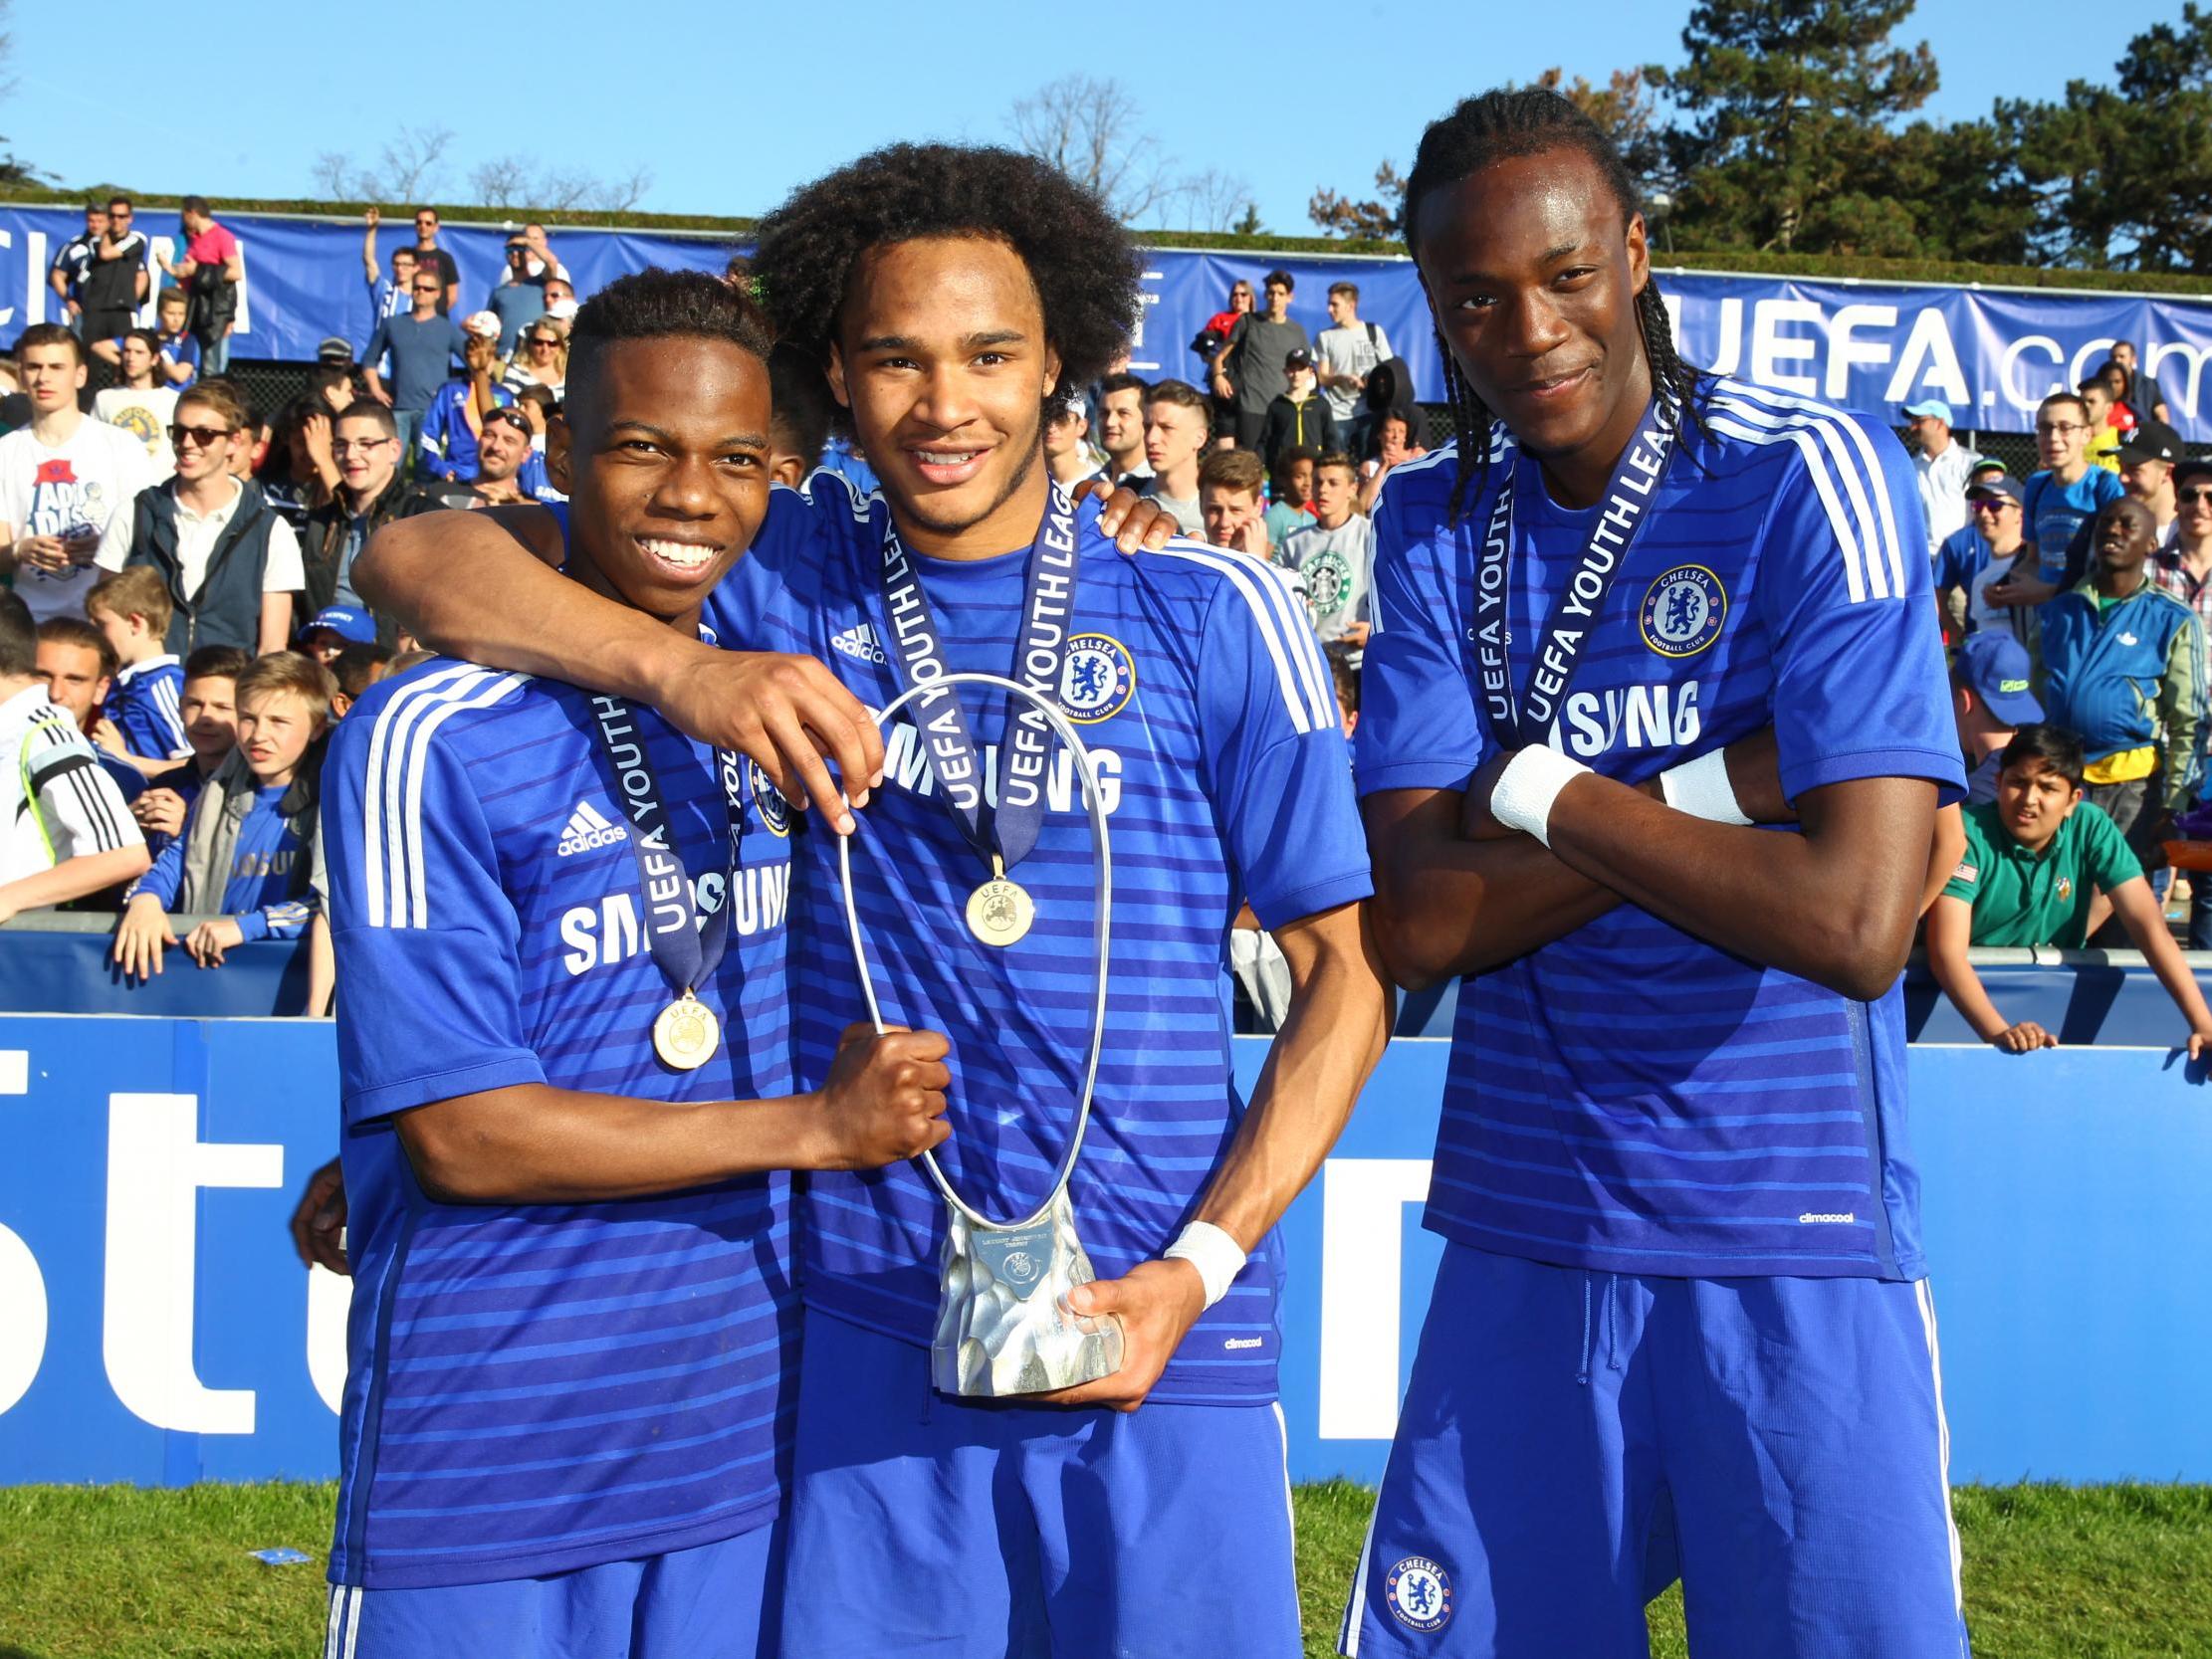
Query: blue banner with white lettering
point(1992, 354)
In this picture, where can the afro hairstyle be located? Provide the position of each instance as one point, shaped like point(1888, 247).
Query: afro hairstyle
point(1083, 264)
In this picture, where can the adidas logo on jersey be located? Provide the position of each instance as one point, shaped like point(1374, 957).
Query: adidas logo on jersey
point(860, 642)
point(587, 828)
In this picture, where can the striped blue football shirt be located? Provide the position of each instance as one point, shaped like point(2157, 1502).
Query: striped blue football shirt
point(1210, 715)
point(547, 1386)
point(146, 704)
point(1629, 1098)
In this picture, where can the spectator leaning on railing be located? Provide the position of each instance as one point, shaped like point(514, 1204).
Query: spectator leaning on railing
point(2036, 860)
point(209, 707)
point(1991, 698)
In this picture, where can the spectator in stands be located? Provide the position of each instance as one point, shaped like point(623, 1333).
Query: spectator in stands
point(298, 472)
point(1335, 556)
point(1290, 492)
point(542, 266)
point(1389, 390)
point(144, 718)
point(1177, 425)
point(67, 480)
point(356, 667)
point(229, 560)
point(2105, 423)
point(2036, 857)
point(1067, 446)
point(1207, 345)
point(1345, 355)
point(2124, 666)
point(246, 857)
point(1992, 697)
point(518, 299)
point(388, 295)
point(424, 344)
point(502, 452)
point(2182, 567)
point(800, 427)
point(332, 629)
point(458, 408)
point(1231, 504)
point(542, 361)
point(1990, 550)
point(179, 363)
point(2142, 392)
point(78, 667)
point(1249, 366)
point(1397, 440)
point(116, 282)
point(208, 705)
point(1301, 416)
point(811, 415)
point(370, 495)
point(334, 384)
point(141, 404)
point(63, 830)
point(2058, 500)
point(430, 257)
point(2146, 462)
point(73, 263)
point(1943, 462)
point(561, 300)
point(1121, 427)
point(209, 272)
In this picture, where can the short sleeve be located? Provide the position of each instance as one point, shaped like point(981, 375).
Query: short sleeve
point(283, 572)
point(1966, 877)
point(1279, 773)
point(1420, 725)
point(2107, 859)
point(1860, 687)
point(78, 802)
point(427, 940)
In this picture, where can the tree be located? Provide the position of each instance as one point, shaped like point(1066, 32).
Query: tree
point(409, 168)
point(1215, 201)
point(1087, 128)
point(1787, 105)
point(1377, 219)
point(1626, 110)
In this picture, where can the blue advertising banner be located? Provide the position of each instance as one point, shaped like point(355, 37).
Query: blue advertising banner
point(1990, 354)
point(156, 1328)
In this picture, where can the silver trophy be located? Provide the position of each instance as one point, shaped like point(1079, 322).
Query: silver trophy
point(1003, 1325)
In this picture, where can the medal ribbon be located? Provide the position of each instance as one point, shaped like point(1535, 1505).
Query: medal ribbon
point(1041, 654)
point(1628, 496)
point(685, 952)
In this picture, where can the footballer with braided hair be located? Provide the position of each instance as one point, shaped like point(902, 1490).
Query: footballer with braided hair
point(952, 296)
point(1652, 742)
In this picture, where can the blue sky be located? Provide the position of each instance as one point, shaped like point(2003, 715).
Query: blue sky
point(731, 106)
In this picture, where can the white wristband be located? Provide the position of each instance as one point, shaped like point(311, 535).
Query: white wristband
point(1522, 798)
point(1218, 1257)
point(1700, 787)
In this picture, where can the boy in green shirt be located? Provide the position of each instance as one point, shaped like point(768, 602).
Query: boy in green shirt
point(2036, 857)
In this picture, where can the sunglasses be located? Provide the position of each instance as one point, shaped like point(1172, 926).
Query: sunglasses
point(508, 415)
point(204, 435)
point(544, 340)
point(1991, 503)
point(426, 287)
point(2194, 498)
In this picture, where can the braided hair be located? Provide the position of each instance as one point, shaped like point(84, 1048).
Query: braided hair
point(1516, 122)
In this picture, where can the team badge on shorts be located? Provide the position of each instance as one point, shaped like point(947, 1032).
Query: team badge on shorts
point(1099, 679)
point(1419, 1593)
point(1683, 610)
point(768, 800)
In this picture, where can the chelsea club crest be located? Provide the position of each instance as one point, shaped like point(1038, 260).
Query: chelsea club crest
point(768, 800)
point(1683, 610)
point(1098, 680)
point(1419, 1593)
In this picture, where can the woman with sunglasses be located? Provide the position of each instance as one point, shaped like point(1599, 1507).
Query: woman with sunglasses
point(540, 358)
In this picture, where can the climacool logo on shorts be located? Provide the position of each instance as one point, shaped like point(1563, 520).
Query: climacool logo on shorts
point(1832, 1218)
point(1419, 1593)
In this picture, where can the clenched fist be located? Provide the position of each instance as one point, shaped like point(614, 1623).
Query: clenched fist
point(885, 1099)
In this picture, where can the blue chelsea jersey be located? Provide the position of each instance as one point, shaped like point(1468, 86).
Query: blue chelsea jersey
point(1629, 1098)
point(537, 1387)
point(1210, 715)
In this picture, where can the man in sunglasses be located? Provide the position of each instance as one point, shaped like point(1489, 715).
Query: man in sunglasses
point(116, 282)
point(502, 451)
point(229, 560)
point(423, 346)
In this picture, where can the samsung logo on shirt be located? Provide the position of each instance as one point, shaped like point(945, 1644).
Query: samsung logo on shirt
point(607, 932)
point(1631, 717)
point(906, 764)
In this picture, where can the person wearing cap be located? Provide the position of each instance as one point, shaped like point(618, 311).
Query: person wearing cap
point(1992, 697)
point(424, 344)
point(2124, 666)
point(332, 629)
point(446, 449)
point(2037, 858)
point(1301, 418)
point(1985, 553)
point(1943, 465)
point(518, 299)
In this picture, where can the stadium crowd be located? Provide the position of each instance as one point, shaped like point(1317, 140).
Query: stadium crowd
point(184, 631)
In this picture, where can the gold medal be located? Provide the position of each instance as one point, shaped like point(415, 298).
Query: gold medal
point(999, 912)
point(686, 1033)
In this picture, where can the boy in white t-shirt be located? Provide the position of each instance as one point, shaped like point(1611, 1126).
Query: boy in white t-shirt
point(67, 482)
point(143, 405)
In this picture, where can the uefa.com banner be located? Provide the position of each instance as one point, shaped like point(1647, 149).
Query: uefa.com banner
point(1991, 354)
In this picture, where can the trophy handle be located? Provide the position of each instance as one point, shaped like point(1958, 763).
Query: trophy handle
point(1103, 888)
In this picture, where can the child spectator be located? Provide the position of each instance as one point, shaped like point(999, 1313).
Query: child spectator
point(2036, 858)
point(246, 853)
point(208, 706)
point(1301, 416)
point(1991, 699)
point(358, 665)
point(1334, 555)
point(1290, 491)
point(144, 726)
point(63, 831)
point(332, 629)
